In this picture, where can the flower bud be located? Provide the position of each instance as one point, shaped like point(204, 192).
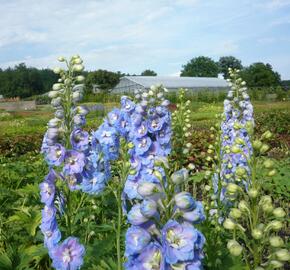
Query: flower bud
point(57, 70)
point(180, 176)
point(56, 102)
point(184, 201)
point(232, 188)
point(265, 200)
point(268, 164)
point(53, 94)
point(240, 171)
point(148, 208)
point(54, 122)
point(276, 225)
point(235, 149)
point(253, 193)
point(267, 207)
point(61, 59)
point(80, 78)
point(77, 96)
point(257, 144)
point(147, 189)
point(57, 86)
point(59, 114)
point(276, 241)
point(135, 216)
point(275, 264)
point(267, 135)
point(243, 206)
point(130, 145)
point(158, 175)
point(235, 213)
point(264, 148)
point(234, 248)
point(257, 234)
point(78, 68)
point(77, 61)
point(239, 141)
point(272, 173)
point(229, 224)
point(283, 255)
point(279, 212)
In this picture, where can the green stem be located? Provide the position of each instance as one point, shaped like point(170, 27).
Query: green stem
point(118, 232)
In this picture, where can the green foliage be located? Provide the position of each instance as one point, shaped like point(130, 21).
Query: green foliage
point(260, 75)
point(148, 72)
point(226, 62)
point(102, 79)
point(200, 67)
point(22, 81)
point(277, 121)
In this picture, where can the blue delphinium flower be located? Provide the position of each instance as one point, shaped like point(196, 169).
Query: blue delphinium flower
point(55, 154)
point(79, 139)
point(179, 242)
point(74, 162)
point(68, 255)
point(137, 239)
point(48, 225)
point(150, 258)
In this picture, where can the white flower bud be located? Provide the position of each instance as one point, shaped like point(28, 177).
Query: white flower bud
point(235, 213)
point(61, 59)
point(253, 193)
point(80, 78)
point(57, 70)
point(283, 255)
point(229, 224)
point(276, 241)
point(57, 86)
point(243, 206)
point(78, 68)
point(275, 264)
point(53, 94)
point(232, 188)
point(279, 212)
point(234, 248)
point(257, 234)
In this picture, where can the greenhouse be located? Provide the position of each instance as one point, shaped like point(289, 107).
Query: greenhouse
point(128, 84)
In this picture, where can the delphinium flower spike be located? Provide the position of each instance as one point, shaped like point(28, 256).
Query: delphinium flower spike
point(162, 235)
point(252, 219)
point(66, 148)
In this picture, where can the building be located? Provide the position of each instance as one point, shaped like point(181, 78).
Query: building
point(128, 84)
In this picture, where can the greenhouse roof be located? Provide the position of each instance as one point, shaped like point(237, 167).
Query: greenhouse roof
point(178, 82)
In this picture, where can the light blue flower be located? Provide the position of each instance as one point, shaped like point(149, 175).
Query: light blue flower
point(136, 240)
point(68, 255)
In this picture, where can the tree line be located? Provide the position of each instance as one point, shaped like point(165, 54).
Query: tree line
point(22, 81)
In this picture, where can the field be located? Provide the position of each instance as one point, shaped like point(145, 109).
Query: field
point(22, 169)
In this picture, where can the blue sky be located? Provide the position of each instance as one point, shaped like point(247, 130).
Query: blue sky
point(132, 35)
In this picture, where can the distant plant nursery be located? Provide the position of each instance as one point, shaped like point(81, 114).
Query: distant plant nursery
point(128, 84)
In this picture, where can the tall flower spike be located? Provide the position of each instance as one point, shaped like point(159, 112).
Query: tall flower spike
point(162, 221)
point(236, 128)
point(66, 148)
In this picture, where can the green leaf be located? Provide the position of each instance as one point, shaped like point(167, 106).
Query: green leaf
point(5, 262)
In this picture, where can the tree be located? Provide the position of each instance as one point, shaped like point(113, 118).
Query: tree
point(148, 72)
point(260, 75)
point(200, 67)
point(104, 79)
point(226, 62)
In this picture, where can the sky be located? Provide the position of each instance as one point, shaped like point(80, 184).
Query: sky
point(133, 35)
